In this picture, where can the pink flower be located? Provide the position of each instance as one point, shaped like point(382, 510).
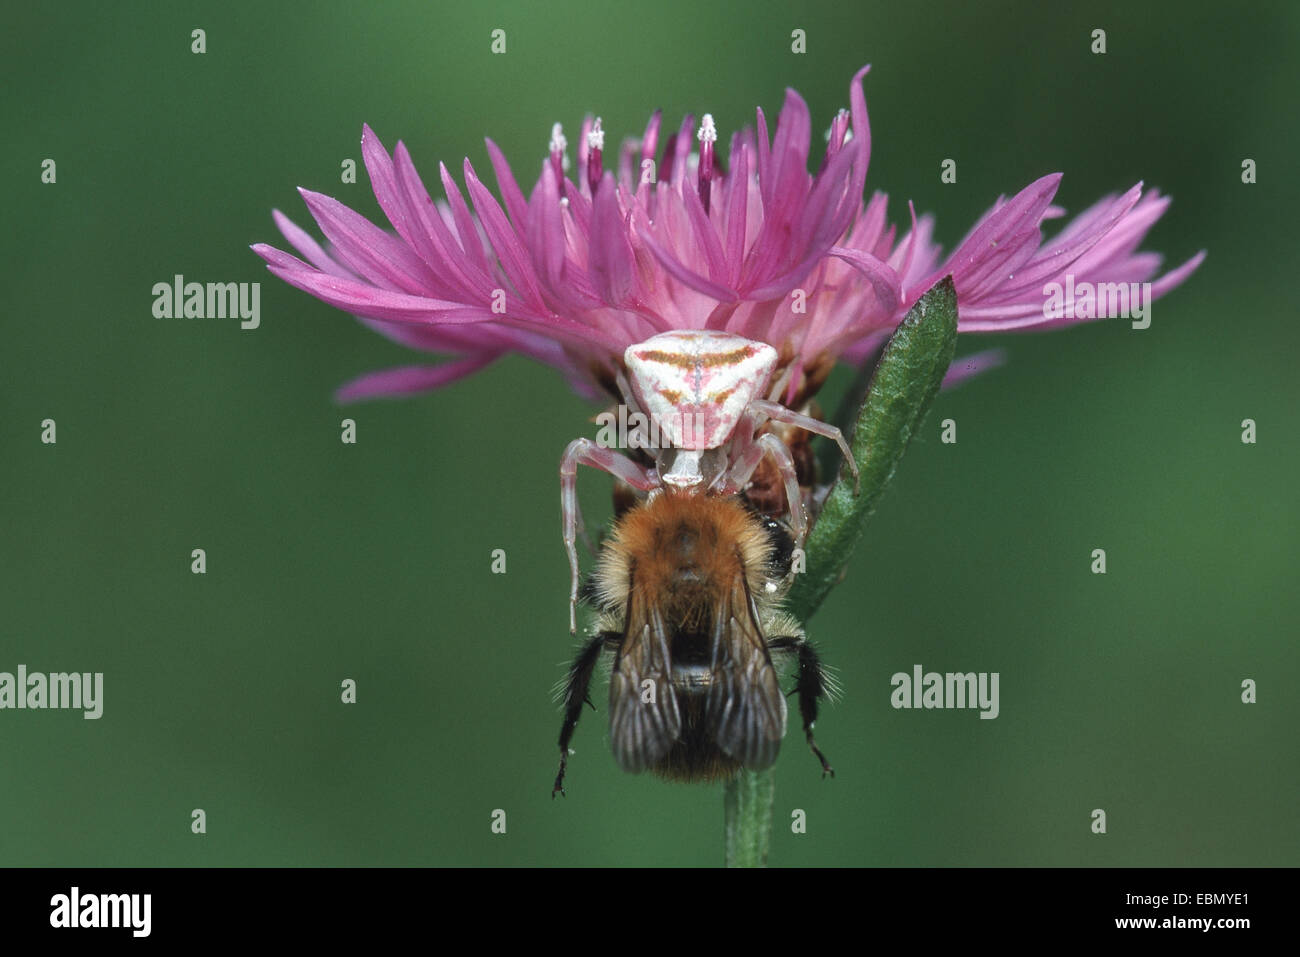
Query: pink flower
point(588, 264)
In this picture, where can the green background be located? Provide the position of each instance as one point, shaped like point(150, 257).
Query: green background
point(372, 562)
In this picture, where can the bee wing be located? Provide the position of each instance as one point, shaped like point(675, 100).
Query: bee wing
point(644, 721)
point(745, 709)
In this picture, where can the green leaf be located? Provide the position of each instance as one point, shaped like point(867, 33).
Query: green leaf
point(906, 381)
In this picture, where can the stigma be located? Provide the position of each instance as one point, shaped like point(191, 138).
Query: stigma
point(595, 145)
point(707, 135)
point(559, 157)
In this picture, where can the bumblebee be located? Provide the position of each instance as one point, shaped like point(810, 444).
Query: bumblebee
point(688, 591)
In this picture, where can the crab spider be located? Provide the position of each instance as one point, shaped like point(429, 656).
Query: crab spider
point(702, 390)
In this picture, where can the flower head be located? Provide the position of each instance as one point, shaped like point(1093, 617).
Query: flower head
point(596, 259)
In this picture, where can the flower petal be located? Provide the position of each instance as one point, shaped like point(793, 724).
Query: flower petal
point(408, 380)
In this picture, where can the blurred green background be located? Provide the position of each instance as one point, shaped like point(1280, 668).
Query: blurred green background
point(328, 561)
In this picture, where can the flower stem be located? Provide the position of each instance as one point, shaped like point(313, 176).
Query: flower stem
point(748, 804)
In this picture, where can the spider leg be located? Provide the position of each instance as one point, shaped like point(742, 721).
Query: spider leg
point(779, 413)
point(749, 451)
point(586, 452)
point(773, 446)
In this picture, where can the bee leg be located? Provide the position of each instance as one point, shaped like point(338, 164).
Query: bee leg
point(575, 694)
point(811, 687)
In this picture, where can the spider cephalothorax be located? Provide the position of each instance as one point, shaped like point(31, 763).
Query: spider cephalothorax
point(705, 395)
